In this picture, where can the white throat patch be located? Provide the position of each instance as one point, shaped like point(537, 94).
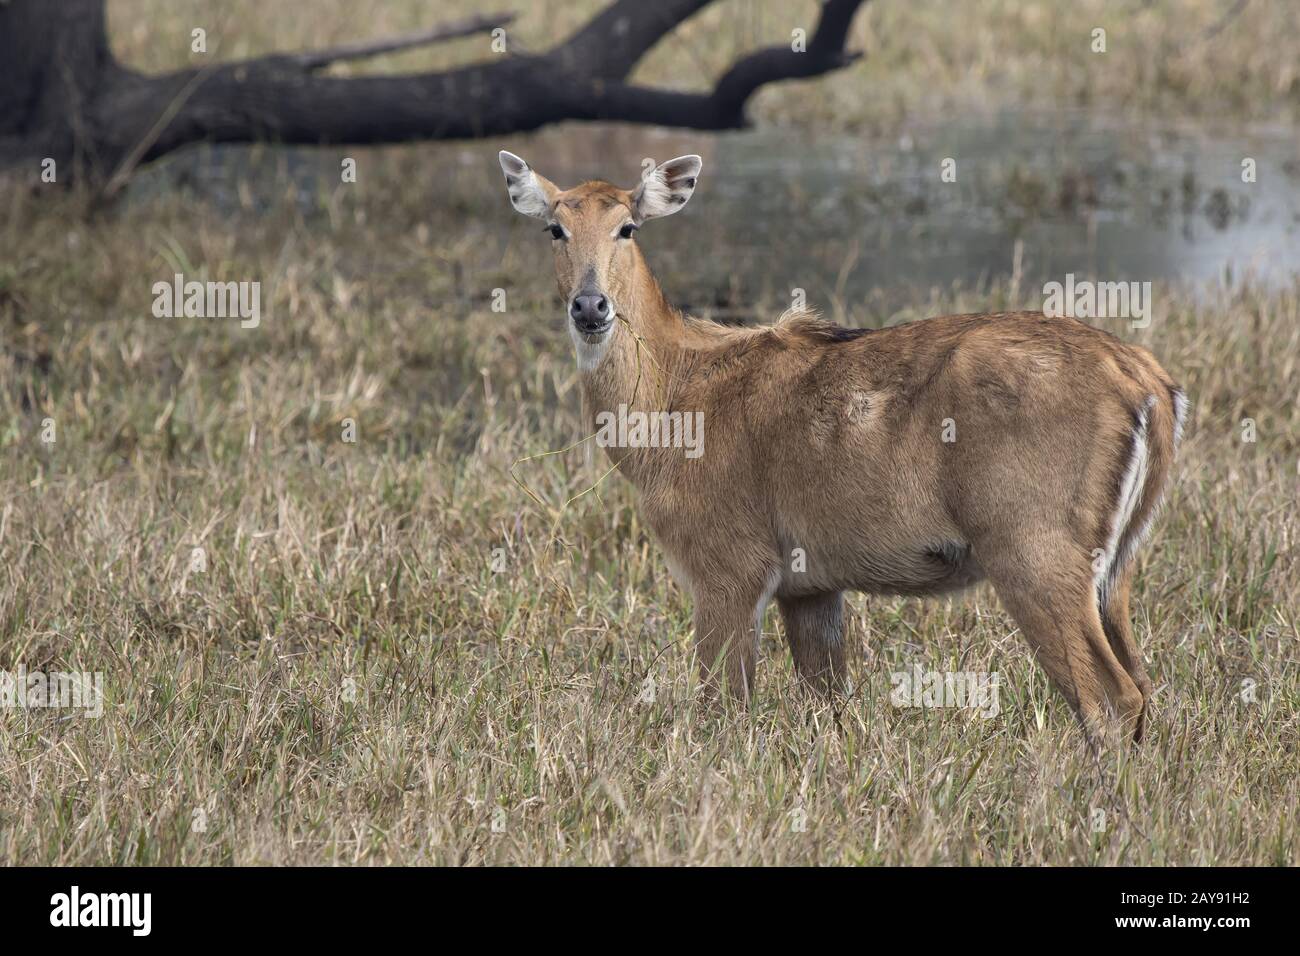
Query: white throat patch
point(590, 354)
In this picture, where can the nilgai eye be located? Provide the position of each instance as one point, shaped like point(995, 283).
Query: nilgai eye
point(557, 231)
point(627, 230)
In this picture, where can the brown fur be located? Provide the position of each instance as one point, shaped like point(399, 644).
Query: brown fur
point(830, 440)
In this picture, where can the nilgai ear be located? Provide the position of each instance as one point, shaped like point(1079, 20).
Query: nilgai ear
point(666, 189)
point(531, 194)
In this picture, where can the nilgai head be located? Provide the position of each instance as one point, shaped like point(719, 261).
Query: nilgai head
point(592, 229)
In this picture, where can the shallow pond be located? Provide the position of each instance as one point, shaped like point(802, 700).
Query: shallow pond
point(1031, 195)
point(1041, 195)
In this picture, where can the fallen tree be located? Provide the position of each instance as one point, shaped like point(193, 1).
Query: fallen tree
point(65, 97)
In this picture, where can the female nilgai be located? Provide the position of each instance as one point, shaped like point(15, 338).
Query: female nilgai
point(918, 459)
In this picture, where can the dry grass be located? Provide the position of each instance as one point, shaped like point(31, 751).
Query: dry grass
point(519, 698)
point(371, 562)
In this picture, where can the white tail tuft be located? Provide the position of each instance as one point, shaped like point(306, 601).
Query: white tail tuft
point(1181, 406)
point(1130, 497)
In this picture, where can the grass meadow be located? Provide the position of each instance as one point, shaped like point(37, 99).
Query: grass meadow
point(407, 649)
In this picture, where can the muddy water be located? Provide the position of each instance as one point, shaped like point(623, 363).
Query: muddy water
point(1036, 195)
point(1042, 196)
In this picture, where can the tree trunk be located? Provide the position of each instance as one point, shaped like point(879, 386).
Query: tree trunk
point(54, 65)
point(64, 97)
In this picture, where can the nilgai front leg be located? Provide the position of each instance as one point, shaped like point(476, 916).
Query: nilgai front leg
point(814, 629)
point(728, 620)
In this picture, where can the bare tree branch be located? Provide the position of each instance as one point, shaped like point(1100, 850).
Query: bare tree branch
point(724, 107)
point(104, 119)
point(612, 43)
point(315, 59)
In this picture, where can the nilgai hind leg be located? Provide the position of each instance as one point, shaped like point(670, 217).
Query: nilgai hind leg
point(1055, 606)
point(1115, 621)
